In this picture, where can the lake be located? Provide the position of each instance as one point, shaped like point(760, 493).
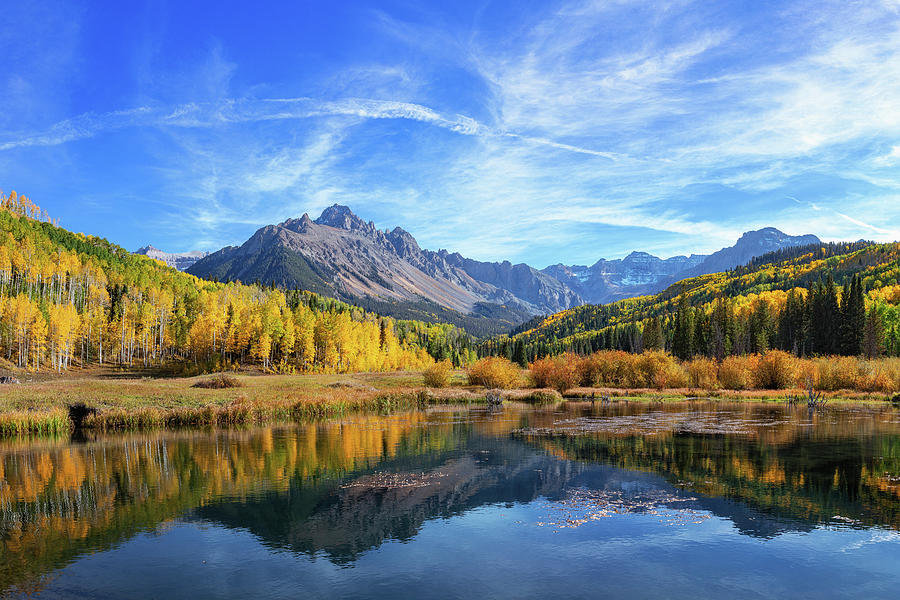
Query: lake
point(686, 500)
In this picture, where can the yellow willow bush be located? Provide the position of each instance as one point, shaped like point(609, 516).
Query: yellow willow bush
point(776, 370)
point(703, 373)
point(883, 375)
point(495, 372)
point(736, 372)
point(610, 368)
point(658, 369)
point(438, 374)
point(558, 372)
point(839, 373)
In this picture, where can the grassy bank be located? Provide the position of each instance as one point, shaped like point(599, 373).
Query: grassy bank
point(41, 407)
point(143, 403)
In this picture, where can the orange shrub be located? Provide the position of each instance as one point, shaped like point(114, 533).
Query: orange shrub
point(883, 375)
point(590, 372)
point(658, 369)
point(776, 370)
point(558, 372)
point(612, 368)
point(495, 372)
point(807, 373)
point(438, 374)
point(839, 373)
point(703, 373)
point(736, 372)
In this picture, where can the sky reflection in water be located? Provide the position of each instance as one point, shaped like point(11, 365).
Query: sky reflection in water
point(638, 500)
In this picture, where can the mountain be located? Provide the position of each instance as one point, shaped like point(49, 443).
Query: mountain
point(640, 274)
point(341, 255)
point(178, 260)
point(749, 246)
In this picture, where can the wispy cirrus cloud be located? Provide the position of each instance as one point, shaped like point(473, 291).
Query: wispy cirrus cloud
point(561, 131)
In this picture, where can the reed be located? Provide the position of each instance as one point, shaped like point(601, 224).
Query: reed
point(33, 422)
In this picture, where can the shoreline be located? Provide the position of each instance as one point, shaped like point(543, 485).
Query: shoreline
point(142, 403)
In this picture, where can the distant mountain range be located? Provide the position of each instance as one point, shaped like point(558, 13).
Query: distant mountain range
point(178, 260)
point(639, 273)
point(343, 256)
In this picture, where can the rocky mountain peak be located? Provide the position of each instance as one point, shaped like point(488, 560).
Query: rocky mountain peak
point(640, 257)
point(771, 235)
point(300, 225)
point(404, 243)
point(341, 217)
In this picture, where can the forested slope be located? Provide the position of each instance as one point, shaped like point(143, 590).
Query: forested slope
point(71, 299)
point(816, 300)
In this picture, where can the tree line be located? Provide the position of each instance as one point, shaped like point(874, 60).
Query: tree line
point(749, 310)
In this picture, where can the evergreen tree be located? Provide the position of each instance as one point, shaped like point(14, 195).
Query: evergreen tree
point(873, 334)
point(682, 338)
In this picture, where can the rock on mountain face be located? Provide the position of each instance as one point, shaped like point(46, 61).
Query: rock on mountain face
point(640, 273)
point(341, 255)
point(178, 260)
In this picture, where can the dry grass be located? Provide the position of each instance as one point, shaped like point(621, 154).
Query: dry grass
point(133, 404)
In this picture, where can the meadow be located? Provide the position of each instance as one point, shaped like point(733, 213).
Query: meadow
point(112, 400)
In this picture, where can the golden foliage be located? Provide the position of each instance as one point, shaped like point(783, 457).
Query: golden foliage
point(68, 298)
point(495, 372)
point(703, 373)
point(438, 374)
point(558, 372)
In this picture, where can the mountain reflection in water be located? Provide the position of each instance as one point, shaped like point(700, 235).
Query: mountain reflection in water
point(343, 489)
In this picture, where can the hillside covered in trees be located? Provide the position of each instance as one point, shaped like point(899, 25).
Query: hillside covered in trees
point(69, 299)
point(822, 299)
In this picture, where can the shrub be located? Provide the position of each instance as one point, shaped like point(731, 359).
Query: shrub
point(557, 372)
point(883, 375)
point(658, 369)
point(438, 374)
point(736, 372)
point(840, 373)
point(542, 397)
point(776, 370)
point(219, 382)
point(589, 370)
point(613, 368)
point(703, 373)
point(494, 372)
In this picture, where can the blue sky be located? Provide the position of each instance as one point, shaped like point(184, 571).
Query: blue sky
point(541, 132)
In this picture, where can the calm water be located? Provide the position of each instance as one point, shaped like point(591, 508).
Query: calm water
point(677, 501)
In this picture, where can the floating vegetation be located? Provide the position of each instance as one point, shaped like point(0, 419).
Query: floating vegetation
point(394, 481)
point(542, 397)
point(655, 422)
point(582, 506)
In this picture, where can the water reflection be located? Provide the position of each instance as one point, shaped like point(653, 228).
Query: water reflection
point(342, 489)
